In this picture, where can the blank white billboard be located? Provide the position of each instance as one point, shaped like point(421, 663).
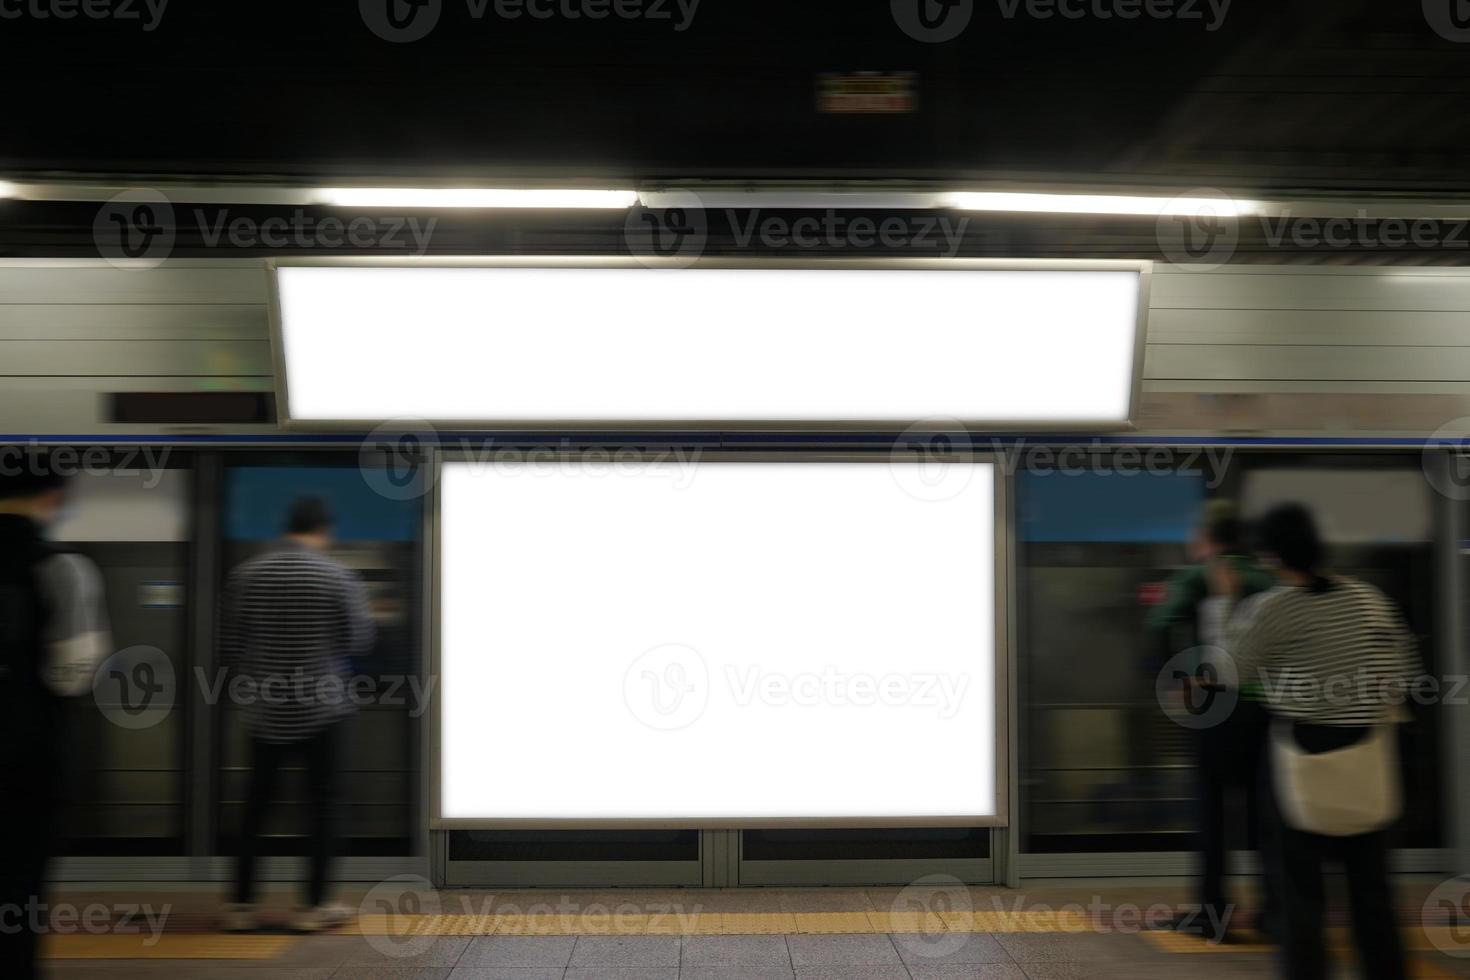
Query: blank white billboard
point(616, 344)
point(716, 642)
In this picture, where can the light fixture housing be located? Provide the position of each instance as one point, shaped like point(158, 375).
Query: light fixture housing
point(554, 343)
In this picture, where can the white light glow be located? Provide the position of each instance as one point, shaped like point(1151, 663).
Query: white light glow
point(7, 189)
point(720, 641)
point(621, 344)
point(722, 197)
point(1222, 206)
point(474, 197)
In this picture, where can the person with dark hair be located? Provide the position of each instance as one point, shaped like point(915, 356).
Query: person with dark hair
point(53, 634)
point(293, 619)
point(1335, 661)
point(1227, 756)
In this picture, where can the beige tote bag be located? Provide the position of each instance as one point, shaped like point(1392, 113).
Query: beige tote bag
point(1349, 791)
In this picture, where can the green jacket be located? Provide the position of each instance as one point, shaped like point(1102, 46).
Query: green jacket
point(1191, 586)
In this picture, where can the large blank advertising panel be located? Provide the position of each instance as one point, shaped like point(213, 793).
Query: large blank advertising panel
point(670, 640)
point(612, 344)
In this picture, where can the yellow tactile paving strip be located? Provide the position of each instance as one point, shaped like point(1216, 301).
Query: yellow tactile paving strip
point(722, 924)
point(175, 947)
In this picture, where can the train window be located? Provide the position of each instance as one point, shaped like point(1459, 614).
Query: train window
point(377, 534)
point(129, 512)
point(1102, 768)
point(1353, 507)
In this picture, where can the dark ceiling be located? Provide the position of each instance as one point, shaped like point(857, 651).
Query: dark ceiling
point(1355, 99)
point(1360, 95)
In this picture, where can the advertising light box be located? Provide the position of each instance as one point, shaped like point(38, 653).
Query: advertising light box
point(684, 641)
point(589, 342)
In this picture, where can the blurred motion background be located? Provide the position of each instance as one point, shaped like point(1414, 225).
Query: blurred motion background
point(1105, 771)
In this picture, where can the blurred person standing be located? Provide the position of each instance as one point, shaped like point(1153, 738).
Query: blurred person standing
point(53, 634)
point(293, 619)
point(1227, 755)
point(1335, 661)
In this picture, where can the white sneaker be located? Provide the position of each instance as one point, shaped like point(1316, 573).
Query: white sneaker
point(238, 917)
point(319, 917)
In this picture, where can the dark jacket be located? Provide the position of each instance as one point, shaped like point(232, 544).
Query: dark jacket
point(1190, 587)
point(29, 710)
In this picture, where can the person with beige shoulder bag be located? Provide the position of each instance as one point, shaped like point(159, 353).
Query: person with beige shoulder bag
point(1335, 660)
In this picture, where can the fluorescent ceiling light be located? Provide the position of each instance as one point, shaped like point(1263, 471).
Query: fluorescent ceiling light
point(474, 197)
point(7, 189)
point(719, 624)
point(1222, 206)
point(720, 198)
point(615, 343)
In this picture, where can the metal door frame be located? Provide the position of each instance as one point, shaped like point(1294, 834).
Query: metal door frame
point(1448, 523)
point(200, 861)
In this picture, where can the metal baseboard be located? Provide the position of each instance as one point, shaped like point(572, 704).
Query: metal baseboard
point(980, 871)
point(223, 869)
point(122, 869)
point(573, 874)
point(1172, 864)
point(345, 869)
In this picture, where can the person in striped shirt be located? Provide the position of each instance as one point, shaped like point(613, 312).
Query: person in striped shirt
point(293, 619)
point(1334, 659)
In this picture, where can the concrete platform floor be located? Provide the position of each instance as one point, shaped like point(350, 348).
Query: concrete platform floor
point(927, 931)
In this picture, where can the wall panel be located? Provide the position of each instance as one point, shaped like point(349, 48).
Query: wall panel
point(1277, 329)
